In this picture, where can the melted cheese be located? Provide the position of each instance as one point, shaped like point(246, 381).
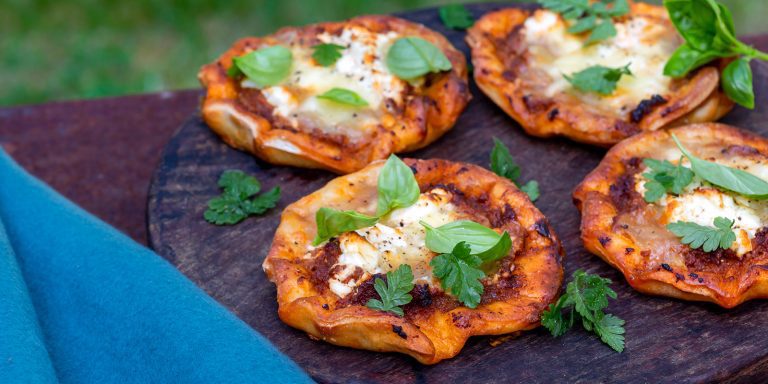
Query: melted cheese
point(397, 239)
point(701, 203)
point(640, 41)
point(360, 69)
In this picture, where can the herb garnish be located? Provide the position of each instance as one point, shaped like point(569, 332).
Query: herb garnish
point(327, 54)
point(332, 222)
point(343, 96)
point(412, 57)
point(239, 200)
point(459, 274)
point(456, 16)
point(598, 79)
point(664, 177)
point(706, 238)
point(588, 295)
point(395, 292)
point(397, 187)
point(594, 18)
point(504, 165)
point(728, 178)
point(484, 242)
point(709, 33)
point(265, 66)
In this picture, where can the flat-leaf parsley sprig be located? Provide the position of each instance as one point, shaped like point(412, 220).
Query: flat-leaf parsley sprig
point(239, 199)
point(587, 296)
point(393, 293)
point(704, 237)
point(593, 17)
point(504, 165)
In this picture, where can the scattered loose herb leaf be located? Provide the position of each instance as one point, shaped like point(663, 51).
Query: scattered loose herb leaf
point(327, 54)
point(706, 238)
point(238, 199)
point(598, 79)
point(395, 292)
point(397, 186)
point(343, 96)
point(594, 17)
point(266, 66)
point(412, 57)
point(459, 274)
point(664, 177)
point(456, 16)
point(728, 178)
point(504, 165)
point(709, 33)
point(588, 295)
point(332, 222)
point(484, 242)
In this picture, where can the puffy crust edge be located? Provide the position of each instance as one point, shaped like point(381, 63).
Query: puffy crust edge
point(438, 336)
point(592, 199)
point(700, 99)
point(424, 119)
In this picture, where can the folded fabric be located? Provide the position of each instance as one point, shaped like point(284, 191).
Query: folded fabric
point(82, 303)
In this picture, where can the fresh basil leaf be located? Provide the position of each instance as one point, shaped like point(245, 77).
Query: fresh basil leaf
point(599, 79)
point(728, 178)
point(456, 16)
point(397, 187)
point(266, 66)
point(233, 71)
point(412, 57)
point(695, 20)
point(602, 31)
point(685, 59)
point(343, 96)
point(459, 274)
point(484, 242)
point(333, 222)
point(737, 82)
point(327, 54)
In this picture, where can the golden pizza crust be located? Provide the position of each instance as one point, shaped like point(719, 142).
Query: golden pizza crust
point(243, 119)
point(436, 331)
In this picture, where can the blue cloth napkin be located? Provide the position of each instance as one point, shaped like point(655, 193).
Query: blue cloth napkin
point(82, 303)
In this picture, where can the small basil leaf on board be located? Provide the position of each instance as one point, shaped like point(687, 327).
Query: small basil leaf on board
point(728, 178)
point(598, 79)
point(327, 54)
point(737, 82)
point(411, 57)
point(459, 274)
point(343, 96)
point(455, 16)
point(266, 66)
point(333, 222)
point(397, 187)
point(484, 242)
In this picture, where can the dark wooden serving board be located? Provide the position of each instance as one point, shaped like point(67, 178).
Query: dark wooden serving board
point(667, 340)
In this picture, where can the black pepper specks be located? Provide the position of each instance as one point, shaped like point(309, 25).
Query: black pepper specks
point(399, 331)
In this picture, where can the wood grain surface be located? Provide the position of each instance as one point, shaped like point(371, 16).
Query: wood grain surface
point(667, 340)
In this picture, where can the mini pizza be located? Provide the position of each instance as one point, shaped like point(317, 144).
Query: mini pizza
point(553, 82)
point(414, 259)
point(338, 95)
point(691, 225)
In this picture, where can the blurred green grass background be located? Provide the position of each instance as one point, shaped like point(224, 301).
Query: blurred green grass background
point(54, 50)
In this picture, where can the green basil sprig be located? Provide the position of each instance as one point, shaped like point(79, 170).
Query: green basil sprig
point(709, 33)
point(333, 222)
point(343, 96)
point(412, 57)
point(724, 177)
point(397, 186)
point(266, 66)
point(483, 241)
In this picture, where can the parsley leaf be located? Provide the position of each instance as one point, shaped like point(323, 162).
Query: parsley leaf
point(343, 96)
point(587, 295)
point(459, 274)
point(327, 54)
point(706, 238)
point(664, 177)
point(598, 79)
point(394, 292)
point(589, 16)
point(504, 165)
point(237, 201)
point(456, 16)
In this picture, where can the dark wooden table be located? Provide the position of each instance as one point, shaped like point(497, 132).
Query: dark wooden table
point(102, 153)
